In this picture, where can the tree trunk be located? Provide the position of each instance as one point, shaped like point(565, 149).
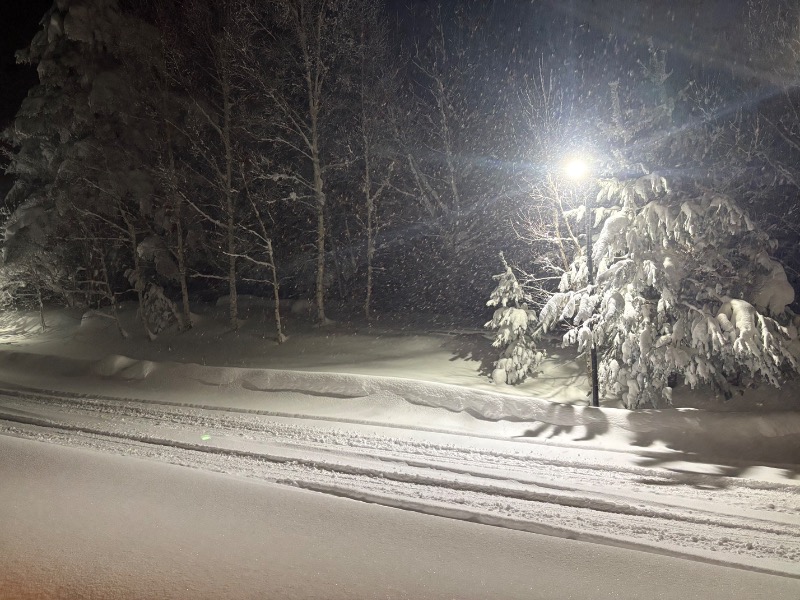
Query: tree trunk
point(319, 194)
point(370, 256)
point(234, 300)
point(41, 308)
point(229, 203)
point(370, 231)
point(180, 251)
point(138, 277)
point(181, 255)
point(367, 182)
point(320, 284)
point(337, 273)
point(448, 152)
point(275, 292)
point(559, 239)
point(111, 297)
point(313, 62)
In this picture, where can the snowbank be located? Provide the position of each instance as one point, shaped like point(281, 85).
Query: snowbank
point(734, 436)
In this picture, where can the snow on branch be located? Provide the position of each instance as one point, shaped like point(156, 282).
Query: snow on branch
point(514, 323)
point(685, 292)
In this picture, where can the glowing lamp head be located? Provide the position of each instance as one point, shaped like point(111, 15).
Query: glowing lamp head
point(576, 169)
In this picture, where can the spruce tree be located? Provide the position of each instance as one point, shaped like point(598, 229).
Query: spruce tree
point(685, 291)
point(514, 323)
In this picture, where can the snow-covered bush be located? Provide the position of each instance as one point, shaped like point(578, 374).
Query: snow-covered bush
point(514, 323)
point(160, 312)
point(157, 312)
point(684, 288)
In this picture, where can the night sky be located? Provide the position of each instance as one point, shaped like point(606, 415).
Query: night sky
point(20, 21)
point(697, 30)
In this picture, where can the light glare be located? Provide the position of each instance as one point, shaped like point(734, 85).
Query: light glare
point(576, 169)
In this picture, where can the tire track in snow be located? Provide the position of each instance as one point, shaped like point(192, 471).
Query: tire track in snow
point(132, 407)
point(245, 421)
point(413, 475)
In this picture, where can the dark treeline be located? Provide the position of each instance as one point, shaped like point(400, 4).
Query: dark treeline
point(370, 157)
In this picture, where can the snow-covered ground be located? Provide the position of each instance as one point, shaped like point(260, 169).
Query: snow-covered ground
point(389, 416)
point(90, 525)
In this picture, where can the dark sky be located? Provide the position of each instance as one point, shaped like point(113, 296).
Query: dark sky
point(698, 29)
point(19, 21)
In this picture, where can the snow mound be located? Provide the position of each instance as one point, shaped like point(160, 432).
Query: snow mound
point(112, 365)
point(769, 437)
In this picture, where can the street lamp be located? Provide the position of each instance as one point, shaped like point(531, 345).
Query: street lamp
point(577, 169)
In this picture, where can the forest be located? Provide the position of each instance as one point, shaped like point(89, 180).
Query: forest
point(374, 158)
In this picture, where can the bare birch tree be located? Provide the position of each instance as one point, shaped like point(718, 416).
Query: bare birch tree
point(315, 40)
point(208, 71)
point(377, 87)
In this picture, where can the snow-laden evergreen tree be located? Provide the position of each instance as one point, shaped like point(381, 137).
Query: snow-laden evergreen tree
point(82, 143)
point(514, 323)
point(685, 291)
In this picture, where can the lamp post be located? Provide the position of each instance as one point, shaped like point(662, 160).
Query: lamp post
point(577, 169)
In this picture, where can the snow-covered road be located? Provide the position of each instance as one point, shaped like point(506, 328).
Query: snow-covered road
point(720, 514)
point(88, 525)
